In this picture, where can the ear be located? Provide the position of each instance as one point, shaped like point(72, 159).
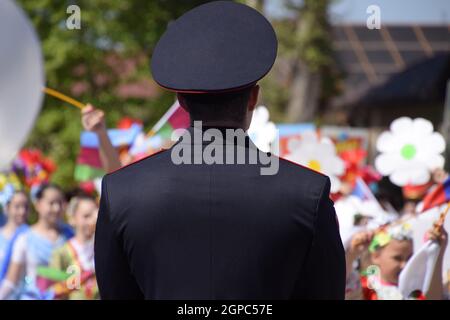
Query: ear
point(375, 256)
point(253, 98)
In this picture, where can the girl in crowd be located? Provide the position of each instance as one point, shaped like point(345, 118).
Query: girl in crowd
point(15, 206)
point(389, 251)
point(34, 247)
point(76, 257)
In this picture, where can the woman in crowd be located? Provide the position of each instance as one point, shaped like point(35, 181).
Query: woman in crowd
point(16, 207)
point(34, 247)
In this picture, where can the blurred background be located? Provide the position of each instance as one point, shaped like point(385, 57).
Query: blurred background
point(331, 69)
point(336, 80)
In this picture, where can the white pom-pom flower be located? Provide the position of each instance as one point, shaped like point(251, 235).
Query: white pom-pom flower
point(409, 151)
point(318, 154)
point(262, 131)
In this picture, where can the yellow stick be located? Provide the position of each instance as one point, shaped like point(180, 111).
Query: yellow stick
point(150, 134)
point(64, 98)
point(440, 222)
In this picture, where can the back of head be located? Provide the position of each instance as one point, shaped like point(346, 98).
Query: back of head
point(213, 56)
point(230, 106)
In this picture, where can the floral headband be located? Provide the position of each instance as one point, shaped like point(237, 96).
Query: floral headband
point(400, 232)
point(9, 185)
point(6, 195)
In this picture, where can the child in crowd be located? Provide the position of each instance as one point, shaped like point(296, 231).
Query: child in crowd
point(390, 249)
point(76, 256)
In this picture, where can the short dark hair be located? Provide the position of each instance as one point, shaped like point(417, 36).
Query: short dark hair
point(41, 190)
point(19, 191)
point(217, 106)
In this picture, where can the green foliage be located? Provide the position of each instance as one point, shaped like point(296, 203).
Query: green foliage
point(314, 39)
point(308, 35)
point(275, 97)
point(305, 39)
point(124, 29)
point(130, 30)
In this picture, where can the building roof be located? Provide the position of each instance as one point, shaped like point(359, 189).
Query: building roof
point(368, 58)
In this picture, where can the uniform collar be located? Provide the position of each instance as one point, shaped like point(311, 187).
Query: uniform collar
point(216, 135)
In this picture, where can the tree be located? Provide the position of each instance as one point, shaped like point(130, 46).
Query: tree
point(257, 4)
point(306, 40)
point(86, 63)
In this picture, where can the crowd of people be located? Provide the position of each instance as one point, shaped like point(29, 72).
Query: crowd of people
point(53, 258)
point(375, 260)
point(50, 259)
point(377, 252)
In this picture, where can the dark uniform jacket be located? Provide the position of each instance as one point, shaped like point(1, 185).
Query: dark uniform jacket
point(217, 231)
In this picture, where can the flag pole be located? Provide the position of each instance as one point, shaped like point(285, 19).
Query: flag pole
point(440, 222)
point(63, 97)
point(163, 119)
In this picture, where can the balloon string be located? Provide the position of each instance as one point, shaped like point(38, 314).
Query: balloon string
point(64, 98)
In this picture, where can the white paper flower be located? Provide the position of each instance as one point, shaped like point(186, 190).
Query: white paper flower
point(317, 154)
point(348, 207)
point(346, 210)
point(409, 151)
point(262, 131)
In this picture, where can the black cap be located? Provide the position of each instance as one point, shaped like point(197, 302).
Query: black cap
point(217, 47)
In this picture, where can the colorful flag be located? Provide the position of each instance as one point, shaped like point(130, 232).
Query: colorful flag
point(161, 133)
point(175, 118)
point(362, 190)
point(437, 196)
point(89, 165)
point(371, 207)
point(87, 173)
point(118, 137)
point(418, 272)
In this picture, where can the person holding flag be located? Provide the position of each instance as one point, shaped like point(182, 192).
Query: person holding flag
point(391, 252)
point(93, 120)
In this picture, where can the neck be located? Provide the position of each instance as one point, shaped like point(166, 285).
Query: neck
point(44, 225)
point(386, 282)
point(10, 226)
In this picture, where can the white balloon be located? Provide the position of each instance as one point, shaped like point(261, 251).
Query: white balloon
point(21, 80)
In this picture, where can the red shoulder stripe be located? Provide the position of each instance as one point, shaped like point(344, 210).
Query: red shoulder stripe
point(151, 155)
point(297, 164)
